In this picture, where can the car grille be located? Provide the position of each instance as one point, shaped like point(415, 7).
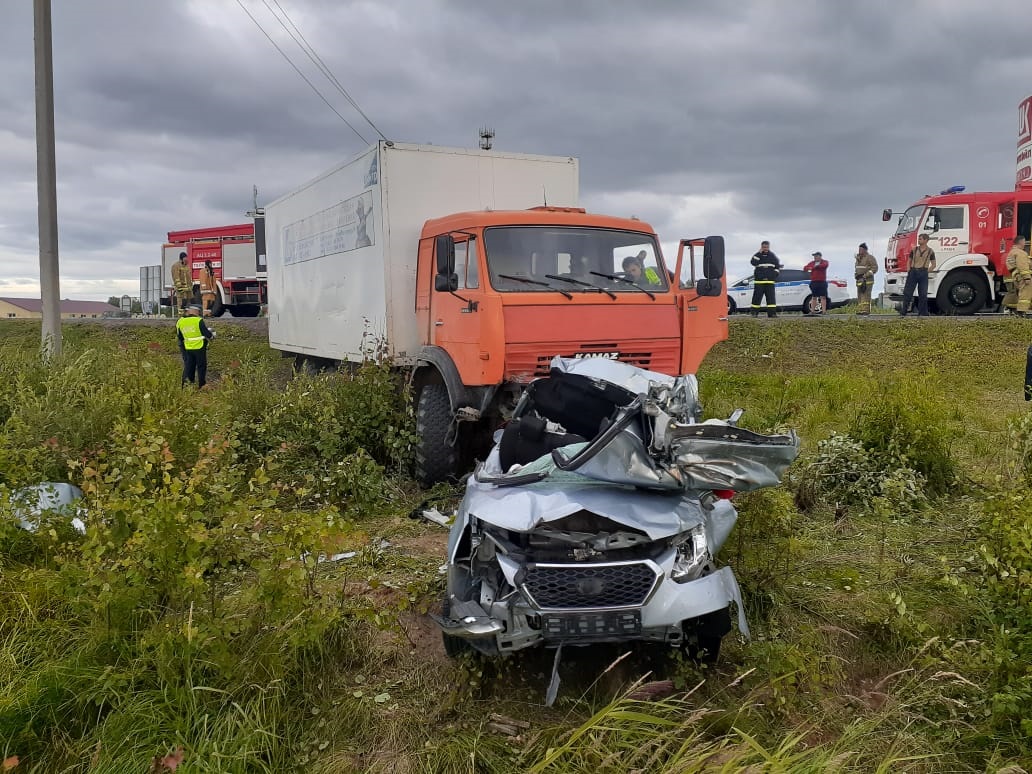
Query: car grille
point(580, 586)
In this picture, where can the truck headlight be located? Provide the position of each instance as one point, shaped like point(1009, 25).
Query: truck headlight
point(692, 554)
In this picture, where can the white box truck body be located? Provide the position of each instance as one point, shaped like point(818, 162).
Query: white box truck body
point(342, 248)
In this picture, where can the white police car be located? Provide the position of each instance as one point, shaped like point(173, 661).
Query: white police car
point(792, 292)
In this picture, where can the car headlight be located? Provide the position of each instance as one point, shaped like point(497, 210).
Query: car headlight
point(692, 554)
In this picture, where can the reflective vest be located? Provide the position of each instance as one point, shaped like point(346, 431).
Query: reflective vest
point(190, 327)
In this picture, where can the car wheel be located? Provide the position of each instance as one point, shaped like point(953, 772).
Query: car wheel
point(963, 292)
point(436, 458)
point(813, 305)
point(732, 307)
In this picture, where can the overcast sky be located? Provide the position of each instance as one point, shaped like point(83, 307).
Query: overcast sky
point(795, 121)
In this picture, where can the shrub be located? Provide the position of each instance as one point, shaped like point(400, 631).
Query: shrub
point(845, 472)
point(903, 426)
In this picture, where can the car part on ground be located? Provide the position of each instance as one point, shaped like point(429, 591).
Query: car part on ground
point(29, 503)
point(598, 515)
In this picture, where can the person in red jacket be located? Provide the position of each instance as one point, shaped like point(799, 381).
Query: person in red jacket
point(818, 269)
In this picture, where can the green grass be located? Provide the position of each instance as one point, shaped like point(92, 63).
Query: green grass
point(889, 632)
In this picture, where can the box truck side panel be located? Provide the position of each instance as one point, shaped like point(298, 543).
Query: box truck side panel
point(325, 263)
point(238, 259)
point(423, 182)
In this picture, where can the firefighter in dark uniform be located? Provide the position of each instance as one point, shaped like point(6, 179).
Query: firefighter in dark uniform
point(765, 274)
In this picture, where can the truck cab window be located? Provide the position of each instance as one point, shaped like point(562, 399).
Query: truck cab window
point(951, 217)
point(911, 219)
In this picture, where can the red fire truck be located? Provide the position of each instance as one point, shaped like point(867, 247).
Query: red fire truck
point(971, 234)
point(237, 258)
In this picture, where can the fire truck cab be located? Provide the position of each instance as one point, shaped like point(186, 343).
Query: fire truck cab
point(971, 234)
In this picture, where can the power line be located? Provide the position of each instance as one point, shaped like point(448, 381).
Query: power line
point(303, 76)
point(317, 60)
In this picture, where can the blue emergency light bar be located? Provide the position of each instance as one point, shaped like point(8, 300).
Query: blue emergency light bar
point(953, 189)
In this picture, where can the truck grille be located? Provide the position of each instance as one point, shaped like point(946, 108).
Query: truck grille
point(587, 586)
point(524, 362)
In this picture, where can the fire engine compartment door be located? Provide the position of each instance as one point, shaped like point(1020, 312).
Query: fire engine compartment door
point(703, 318)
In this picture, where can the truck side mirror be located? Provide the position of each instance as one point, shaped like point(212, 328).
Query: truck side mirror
point(445, 255)
point(886, 216)
point(446, 283)
point(713, 259)
point(709, 287)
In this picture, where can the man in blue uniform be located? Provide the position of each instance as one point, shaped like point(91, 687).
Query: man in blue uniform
point(193, 336)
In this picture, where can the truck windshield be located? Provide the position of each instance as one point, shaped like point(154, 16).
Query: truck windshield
point(911, 219)
point(550, 254)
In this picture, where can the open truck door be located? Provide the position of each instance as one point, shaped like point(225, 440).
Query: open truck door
point(701, 298)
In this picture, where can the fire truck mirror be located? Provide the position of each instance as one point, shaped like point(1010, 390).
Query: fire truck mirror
point(713, 258)
point(886, 216)
point(445, 255)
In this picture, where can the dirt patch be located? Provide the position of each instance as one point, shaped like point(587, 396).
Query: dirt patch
point(431, 543)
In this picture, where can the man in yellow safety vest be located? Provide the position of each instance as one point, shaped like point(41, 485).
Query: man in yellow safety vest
point(193, 336)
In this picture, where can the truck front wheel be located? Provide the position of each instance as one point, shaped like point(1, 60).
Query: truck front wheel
point(435, 456)
point(217, 307)
point(963, 292)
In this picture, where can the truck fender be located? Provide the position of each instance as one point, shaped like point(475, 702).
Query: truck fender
point(431, 358)
point(962, 261)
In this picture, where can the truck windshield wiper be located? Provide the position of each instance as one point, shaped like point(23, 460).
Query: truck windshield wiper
point(534, 282)
point(609, 293)
point(624, 279)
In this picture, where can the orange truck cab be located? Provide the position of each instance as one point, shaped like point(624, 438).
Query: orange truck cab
point(499, 294)
point(473, 284)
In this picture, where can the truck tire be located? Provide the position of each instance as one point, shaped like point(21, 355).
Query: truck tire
point(246, 310)
point(963, 292)
point(217, 307)
point(435, 458)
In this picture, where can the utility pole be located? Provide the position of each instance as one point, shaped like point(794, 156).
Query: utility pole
point(46, 181)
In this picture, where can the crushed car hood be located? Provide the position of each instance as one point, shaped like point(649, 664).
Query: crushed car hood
point(527, 507)
point(639, 428)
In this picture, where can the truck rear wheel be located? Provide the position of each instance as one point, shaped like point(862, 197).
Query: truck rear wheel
point(435, 456)
point(963, 292)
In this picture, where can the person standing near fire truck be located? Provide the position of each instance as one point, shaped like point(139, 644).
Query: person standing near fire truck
point(864, 271)
point(922, 261)
point(208, 288)
point(1022, 274)
point(182, 281)
point(765, 274)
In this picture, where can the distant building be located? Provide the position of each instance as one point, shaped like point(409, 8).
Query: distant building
point(32, 309)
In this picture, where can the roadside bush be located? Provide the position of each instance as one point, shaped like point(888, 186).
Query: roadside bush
point(846, 473)
point(903, 426)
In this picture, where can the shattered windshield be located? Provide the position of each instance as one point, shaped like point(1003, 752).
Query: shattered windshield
point(911, 219)
point(549, 258)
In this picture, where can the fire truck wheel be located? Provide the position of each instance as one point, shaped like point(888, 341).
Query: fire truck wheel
point(963, 292)
point(217, 307)
point(435, 456)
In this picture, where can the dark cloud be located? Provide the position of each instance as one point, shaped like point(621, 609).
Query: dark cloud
point(797, 121)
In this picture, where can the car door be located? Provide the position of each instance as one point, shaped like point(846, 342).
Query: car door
point(793, 286)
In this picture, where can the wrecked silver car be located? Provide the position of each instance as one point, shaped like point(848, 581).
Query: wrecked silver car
point(598, 514)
